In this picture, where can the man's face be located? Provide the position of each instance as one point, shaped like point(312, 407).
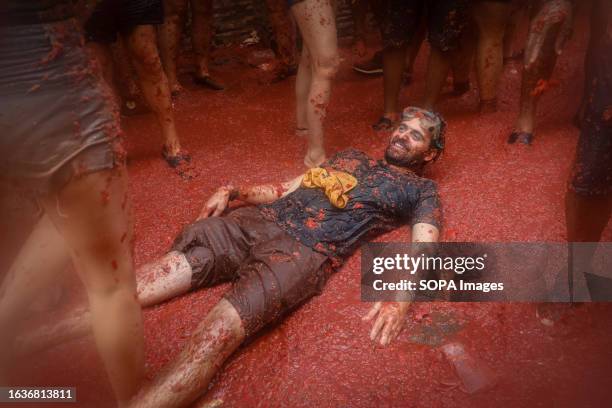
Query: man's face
point(409, 145)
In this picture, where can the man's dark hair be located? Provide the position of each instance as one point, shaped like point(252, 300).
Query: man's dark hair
point(433, 122)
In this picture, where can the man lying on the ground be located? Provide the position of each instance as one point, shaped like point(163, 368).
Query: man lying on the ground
point(281, 252)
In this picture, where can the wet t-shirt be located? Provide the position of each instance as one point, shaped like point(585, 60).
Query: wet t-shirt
point(382, 200)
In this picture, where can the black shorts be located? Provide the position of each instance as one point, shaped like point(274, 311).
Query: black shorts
point(446, 21)
point(592, 174)
point(272, 272)
point(113, 17)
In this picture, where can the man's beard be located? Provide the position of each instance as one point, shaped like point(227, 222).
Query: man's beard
point(407, 160)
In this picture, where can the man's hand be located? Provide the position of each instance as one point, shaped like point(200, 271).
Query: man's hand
point(216, 204)
point(390, 318)
point(554, 14)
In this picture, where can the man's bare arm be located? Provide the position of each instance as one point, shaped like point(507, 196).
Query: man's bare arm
point(266, 193)
point(260, 194)
point(390, 316)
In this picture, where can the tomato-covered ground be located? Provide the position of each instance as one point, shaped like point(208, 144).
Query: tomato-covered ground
point(321, 355)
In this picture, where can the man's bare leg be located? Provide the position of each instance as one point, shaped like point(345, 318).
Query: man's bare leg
point(491, 18)
point(548, 31)
point(413, 51)
point(586, 216)
point(201, 37)
point(533, 76)
point(132, 101)
point(394, 59)
point(169, 38)
point(163, 279)
point(284, 36)
point(359, 11)
point(462, 62)
point(514, 20)
point(142, 46)
point(302, 90)
point(437, 71)
point(42, 258)
point(98, 234)
point(187, 377)
point(317, 24)
point(157, 281)
point(397, 62)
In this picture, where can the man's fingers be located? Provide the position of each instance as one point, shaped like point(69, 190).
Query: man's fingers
point(378, 324)
point(385, 337)
point(397, 329)
point(373, 311)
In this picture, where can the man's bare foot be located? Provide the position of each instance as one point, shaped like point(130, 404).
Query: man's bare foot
point(314, 158)
point(172, 146)
point(180, 161)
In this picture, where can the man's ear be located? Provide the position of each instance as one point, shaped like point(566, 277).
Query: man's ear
point(430, 155)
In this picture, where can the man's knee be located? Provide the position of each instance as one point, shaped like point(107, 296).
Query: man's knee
point(148, 63)
point(226, 311)
point(143, 50)
point(327, 66)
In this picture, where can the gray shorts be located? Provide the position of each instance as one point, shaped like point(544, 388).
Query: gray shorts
point(58, 117)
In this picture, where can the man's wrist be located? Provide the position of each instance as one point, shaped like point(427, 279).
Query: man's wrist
point(232, 191)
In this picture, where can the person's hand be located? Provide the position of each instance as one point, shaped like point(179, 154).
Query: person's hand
point(216, 204)
point(553, 14)
point(390, 318)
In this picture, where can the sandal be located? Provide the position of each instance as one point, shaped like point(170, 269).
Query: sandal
point(521, 137)
point(176, 160)
point(383, 124)
point(181, 163)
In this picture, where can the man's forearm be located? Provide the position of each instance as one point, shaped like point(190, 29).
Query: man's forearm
point(263, 193)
